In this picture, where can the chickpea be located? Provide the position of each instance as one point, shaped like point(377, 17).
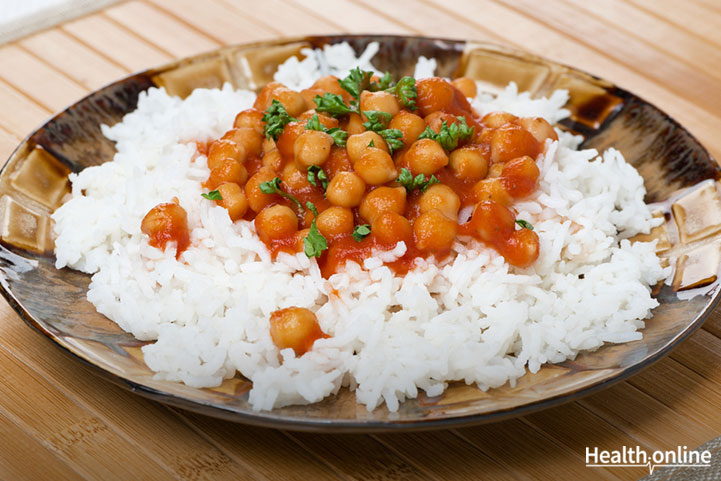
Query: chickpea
point(248, 138)
point(519, 176)
point(436, 119)
point(268, 145)
point(273, 160)
point(354, 125)
point(492, 221)
point(426, 156)
point(496, 170)
point(433, 231)
point(293, 178)
point(286, 140)
point(233, 200)
point(381, 101)
point(296, 328)
point(250, 118)
point(495, 120)
point(225, 149)
point(467, 86)
point(165, 223)
point(335, 221)
point(293, 101)
point(539, 128)
point(228, 170)
point(276, 222)
point(513, 141)
point(345, 189)
point(441, 197)
point(357, 144)
point(410, 124)
point(337, 162)
point(330, 84)
point(434, 94)
point(492, 189)
point(257, 200)
point(521, 249)
point(390, 228)
point(299, 245)
point(376, 167)
point(469, 162)
point(382, 199)
point(312, 147)
point(264, 98)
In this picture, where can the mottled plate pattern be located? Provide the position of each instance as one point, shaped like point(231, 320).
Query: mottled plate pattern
point(680, 177)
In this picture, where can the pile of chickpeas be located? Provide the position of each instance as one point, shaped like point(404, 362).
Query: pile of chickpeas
point(486, 173)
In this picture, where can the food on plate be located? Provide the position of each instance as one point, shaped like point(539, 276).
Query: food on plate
point(345, 228)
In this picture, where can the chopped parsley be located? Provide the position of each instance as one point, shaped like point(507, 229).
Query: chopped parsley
point(524, 224)
point(339, 136)
point(213, 195)
point(275, 118)
point(449, 136)
point(332, 104)
point(377, 120)
point(314, 243)
point(273, 187)
point(316, 176)
point(406, 92)
point(361, 231)
point(407, 180)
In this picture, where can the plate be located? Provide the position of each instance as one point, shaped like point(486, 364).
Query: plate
point(680, 176)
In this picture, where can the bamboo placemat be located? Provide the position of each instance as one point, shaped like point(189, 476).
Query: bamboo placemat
point(59, 422)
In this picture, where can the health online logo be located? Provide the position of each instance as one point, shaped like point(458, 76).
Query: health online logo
point(627, 457)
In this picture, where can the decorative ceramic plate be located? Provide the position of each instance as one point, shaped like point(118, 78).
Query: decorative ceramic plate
point(679, 174)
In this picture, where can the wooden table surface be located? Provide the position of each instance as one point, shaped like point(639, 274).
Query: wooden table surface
point(59, 422)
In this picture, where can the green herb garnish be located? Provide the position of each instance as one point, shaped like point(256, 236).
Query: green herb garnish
point(377, 120)
point(275, 118)
point(314, 243)
point(361, 231)
point(406, 92)
point(393, 138)
point(213, 195)
point(339, 136)
point(356, 82)
point(332, 104)
point(406, 179)
point(449, 136)
point(273, 187)
point(524, 224)
point(317, 175)
point(372, 143)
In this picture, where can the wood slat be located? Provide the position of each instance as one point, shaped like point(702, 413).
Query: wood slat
point(73, 58)
point(445, 455)
point(684, 80)
point(532, 35)
point(27, 115)
point(81, 440)
point(26, 459)
point(530, 454)
point(189, 456)
point(46, 86)
point(8, 143)
point(364, 19)
point(701, 19)
point(116, 43)
point(359, 456)
point(287, 18)
point(214, 19)
point(265, 451)
point(160, 29)
point(702, 354)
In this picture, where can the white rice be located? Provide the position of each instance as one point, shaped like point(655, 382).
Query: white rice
point(471, 318)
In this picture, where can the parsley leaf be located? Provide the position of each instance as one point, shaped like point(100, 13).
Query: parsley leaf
point(312, 208)
point(449, 136)
point(393, 138)
point(524, 224)
point(273, 187)
point(332, 104)
point(361, 231)
point(406, 92)
point(406, 179)
point(377, 119)
point(315, 175)
point(372, 143)
point(275, 118)
point(314, 243)
point(213, 195)
point(339, 136)
point(355, 82)
point(384, 83)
